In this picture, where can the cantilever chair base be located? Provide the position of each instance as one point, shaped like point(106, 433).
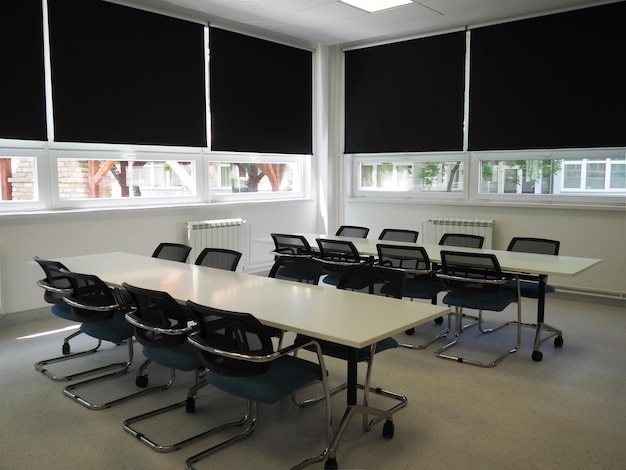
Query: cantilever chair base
point(124, 367)
point(41, 365)
point(539, 329)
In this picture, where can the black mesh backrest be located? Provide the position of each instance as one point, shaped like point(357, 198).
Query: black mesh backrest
point(338, 250)
point(399, 235)
point(540, 246)
point(90, 290)
point(172, 252)
point(462, 239)
point(403, 257)
point(352, 231)
point(373, 278)
point(157, 309)
point(470, 266)
point(232, 332)
point(54, 279)
point(291, 244)
point(220, 258)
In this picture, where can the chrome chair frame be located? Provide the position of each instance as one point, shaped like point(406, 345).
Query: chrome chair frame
point(484, 270)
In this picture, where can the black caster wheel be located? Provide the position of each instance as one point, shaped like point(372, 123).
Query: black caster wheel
point(410, 331)
point(190, 405)
point(65, 349)
point(438, 320)
point(141, 381)
point(537, 356)
point(558, 342)
point(331, 464)
point(388, 430)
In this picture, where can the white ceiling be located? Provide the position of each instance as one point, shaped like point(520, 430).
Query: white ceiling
point(332, 22)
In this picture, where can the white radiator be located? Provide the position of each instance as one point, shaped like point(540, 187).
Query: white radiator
point(233, 234)
point(433, 229)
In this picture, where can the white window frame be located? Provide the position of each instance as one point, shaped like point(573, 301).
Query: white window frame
point(304, 173)
point(353, 162)
point(38, 151)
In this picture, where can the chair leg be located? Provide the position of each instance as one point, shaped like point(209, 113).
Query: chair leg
point(430, 341)
point(250, 417)
point(123, 369)
point(41, 365)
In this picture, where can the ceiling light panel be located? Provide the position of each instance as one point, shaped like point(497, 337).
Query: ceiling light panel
point(376, 5)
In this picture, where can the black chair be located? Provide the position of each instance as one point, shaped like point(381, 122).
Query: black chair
point(101, 310)
point(529, 287)
point(335, 256)
point(399, 235)
point(462, 239)
point(352, 231)
point(238, 353)
point(475, 281)
point(161, 327)
point(420, 283)
point(374, 280)
point(172, 252)
point(56, 286)
point(293, 259)
point(220, 258)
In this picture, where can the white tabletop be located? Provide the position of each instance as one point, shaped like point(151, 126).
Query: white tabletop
point(510, 261)
point(348, 318)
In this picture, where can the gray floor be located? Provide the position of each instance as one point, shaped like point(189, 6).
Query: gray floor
point(567, 411)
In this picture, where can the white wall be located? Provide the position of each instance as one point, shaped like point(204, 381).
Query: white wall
point(588, 233)
point(135, 231)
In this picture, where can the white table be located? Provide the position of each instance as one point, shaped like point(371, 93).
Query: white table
point(348, 318)
point(526, 265)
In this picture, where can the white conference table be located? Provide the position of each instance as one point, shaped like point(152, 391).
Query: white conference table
point(349, 318)
point(526, 265)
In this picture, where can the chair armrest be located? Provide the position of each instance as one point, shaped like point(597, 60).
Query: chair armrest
point(135, 321)
point(471, 279)
point(95, 308)
point(56, 290)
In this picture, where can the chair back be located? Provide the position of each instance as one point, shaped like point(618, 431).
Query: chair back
point(291, 245)
point(413, 259)
point(172, 252)
point(229, 342)
point(374, 278)
point(399, 235)
point(92, 300)
point(338, 252)
point(352, 231)
point(220, 258)
point(56, 285)
point(462, 239)
point(154, 313)
point(471, 271)
point(541, 246)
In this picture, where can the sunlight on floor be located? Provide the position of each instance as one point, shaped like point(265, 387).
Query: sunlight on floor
point(50, 332)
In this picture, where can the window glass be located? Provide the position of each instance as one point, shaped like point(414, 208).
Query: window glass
point(109, 179)
point(410, 176)
point(239, 177)
point(18, 179)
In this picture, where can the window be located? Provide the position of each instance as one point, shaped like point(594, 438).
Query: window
point(270, 178)
point(18, 178)
point(419, 175)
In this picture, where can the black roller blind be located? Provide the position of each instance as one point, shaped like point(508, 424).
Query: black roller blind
point(260, 95)
point(123, 75)
point(406, 96)
point(22, 86)
point(557, 81)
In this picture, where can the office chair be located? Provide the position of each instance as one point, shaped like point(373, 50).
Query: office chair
point(335, 256)
point(172, 252)
point(462, 239)
point(529, 288)
point(475, 281)
point(220, 258)
point(101, 310)
point(161, 327)
point(352, 231)
point(56, 286)
point(238, 353)
point(374, 280)
point(293, 259)
point(399, 235)
point(420, 283)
